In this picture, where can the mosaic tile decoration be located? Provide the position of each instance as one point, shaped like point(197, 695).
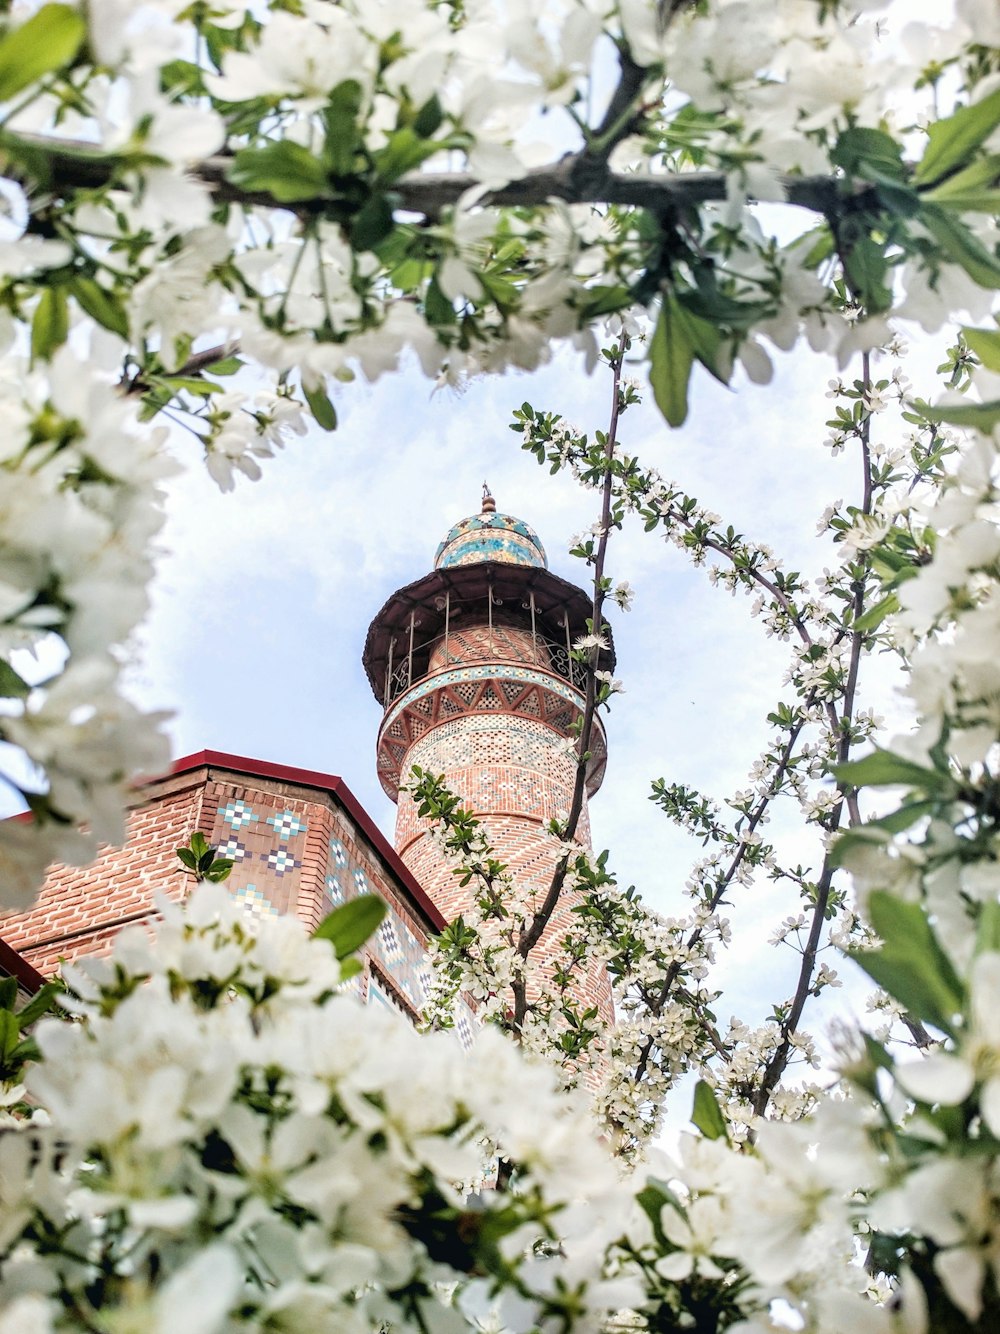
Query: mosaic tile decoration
point(233, 849)
point(268, 854)
point(238, 814)
point(254, 903)
point(490, 689)
point(491, 536)
point(486, 671)
point(480, 642)
point(265, 840)
point(377, 995)
point(287, 825)
point(281, 861)
point(398, 951)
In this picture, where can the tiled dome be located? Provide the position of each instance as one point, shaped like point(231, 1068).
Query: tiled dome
point(491, 536)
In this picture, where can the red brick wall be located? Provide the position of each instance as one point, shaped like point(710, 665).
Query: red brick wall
point(516, 774)
point(80, 909)
point(296, 849)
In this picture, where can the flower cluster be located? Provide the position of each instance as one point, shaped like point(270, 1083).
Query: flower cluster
point(226, 1138)
point(79, 508)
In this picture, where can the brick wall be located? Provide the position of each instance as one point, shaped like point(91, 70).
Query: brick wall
point(297, 848)
point(514, 771)
point(79, 909)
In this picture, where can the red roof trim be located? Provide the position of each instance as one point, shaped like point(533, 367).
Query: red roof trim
point(15, 965)
point(336, 787)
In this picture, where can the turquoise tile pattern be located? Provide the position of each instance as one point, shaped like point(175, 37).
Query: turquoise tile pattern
point(269, 838)
point(491, 536)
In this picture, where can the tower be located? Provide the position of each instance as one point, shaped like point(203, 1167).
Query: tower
point(473, 666)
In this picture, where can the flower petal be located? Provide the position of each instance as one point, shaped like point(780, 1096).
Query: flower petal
point(937, 1078)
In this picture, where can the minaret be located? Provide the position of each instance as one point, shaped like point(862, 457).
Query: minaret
point(472, 664)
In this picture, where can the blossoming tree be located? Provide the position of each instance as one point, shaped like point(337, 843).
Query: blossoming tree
point(302, 192)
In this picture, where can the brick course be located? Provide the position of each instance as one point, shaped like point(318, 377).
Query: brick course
point(301, 846)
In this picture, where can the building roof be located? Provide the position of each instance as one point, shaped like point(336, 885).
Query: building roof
point(13, 965)
point(338, 789)
point(562, 609)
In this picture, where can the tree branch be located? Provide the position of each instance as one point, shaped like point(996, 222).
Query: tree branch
point(532, 933)
point(582, 177)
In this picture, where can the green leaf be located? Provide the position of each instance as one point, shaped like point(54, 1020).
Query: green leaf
point(950, 141)
point(349, 926)
point(972, 201)
point(651, 1199)
point(8, 993)
point(10, 1036)
point(979, 416)
point(371, 224)
point(603, 300)
point(286, 171)
point(350, 968)
point(671, 356)
point(988, 928)
point(986, 345)
point(904, 817)
point(100, 305)
point(199, 843)
point(910, 965)
point(50, 325)
point(188, 858)
point(883, 769)
point(342, 139)
point(706, 1114)
point(866, 267)
point(961, 246)
point(320, 407)
point(12, 684)
point(190, 384)
point(872, 834)
point(404, 150)
point(41, 1002)
point(712, 307)
point(702, 333)
point(869, 153)
point(874, 616)
point(219, 870)
point(227, 366)
point(428, 119)
point(974, 188)
point(437, 308)
point(50, 39)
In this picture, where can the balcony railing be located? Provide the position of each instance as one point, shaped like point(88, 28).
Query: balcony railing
point(548, 655)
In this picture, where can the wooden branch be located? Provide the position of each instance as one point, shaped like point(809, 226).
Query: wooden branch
point(581, 178)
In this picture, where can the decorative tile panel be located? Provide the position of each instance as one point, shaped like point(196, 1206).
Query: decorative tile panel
point(254, 903)
point(238, 814)
point(287, 825)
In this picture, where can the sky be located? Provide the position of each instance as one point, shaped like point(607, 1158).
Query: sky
point(264, 596)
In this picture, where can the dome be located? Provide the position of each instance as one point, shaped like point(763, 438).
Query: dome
point(491, 536)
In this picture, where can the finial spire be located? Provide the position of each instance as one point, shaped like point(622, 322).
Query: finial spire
point(489, 504)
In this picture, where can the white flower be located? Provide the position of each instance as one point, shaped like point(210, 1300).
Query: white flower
point(943, 1077)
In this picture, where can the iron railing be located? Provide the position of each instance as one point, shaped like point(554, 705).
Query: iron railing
point(547, 654)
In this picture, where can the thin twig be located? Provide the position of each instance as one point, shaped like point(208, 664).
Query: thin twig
point(531, 933)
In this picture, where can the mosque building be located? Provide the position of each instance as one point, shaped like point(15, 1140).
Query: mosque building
point(473, 667)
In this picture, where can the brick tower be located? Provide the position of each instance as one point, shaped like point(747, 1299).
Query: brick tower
point(472, 664)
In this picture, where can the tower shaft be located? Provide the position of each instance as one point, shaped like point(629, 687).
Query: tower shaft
point(475, 669)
